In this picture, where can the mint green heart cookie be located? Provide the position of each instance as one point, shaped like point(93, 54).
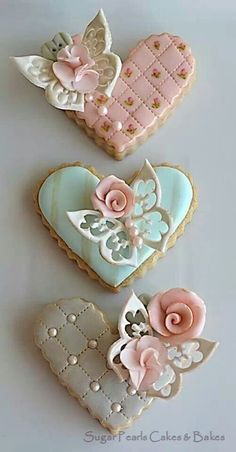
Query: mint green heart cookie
point(65, 195)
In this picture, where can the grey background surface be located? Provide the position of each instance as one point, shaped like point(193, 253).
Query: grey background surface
point(36, 413)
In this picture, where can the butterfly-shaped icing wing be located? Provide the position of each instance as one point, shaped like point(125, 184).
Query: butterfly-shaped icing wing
point(134, 319)
point(61, 98)
point(111, 235)
point(181, 359)
point(97, 38)
point(133, 323)
point(153, 222)
point(36, 69)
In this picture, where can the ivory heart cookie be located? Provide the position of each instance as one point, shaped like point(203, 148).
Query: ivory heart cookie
point(118, 105)
point(103, 371)
point(113, 230)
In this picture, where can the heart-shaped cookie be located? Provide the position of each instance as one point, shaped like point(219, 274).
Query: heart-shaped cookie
point(118, 105)
point(74, 337)
point(103, 373)
point(154, 78)
point(116, 246)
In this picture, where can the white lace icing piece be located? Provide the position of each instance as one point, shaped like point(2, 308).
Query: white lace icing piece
point(114, 243)
point(153, 223)
point(97, 38)
point(63, 99)
point(36, 69)
point(133, 306)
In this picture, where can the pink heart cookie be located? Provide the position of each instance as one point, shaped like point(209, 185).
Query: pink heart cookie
point(155, 76)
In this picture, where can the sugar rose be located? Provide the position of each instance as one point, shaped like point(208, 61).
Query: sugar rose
point(177, 314)
point(145, 359)
point(113, 197)
point(73, 69)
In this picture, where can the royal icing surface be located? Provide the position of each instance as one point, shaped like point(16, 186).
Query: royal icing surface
point(154, 75)
point(86, 356)
point(74, 337)
point(70, 189)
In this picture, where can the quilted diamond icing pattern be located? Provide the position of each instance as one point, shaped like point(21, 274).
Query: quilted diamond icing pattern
point(152, 78)
point(74, 337)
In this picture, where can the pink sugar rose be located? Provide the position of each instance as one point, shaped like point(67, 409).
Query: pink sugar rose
point(145, 360)
point(73, 69)
point(177, 314)
point(113, 197)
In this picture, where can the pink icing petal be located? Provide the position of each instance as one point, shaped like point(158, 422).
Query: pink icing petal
point(82, 52)
point(75, 55)
point(137, 376)
point(88, 81)
point(150, 377)
point(130, 359)
point(101, 206)
point(132, 344)
point(64, 54)
point(104, 186)
point(79, 72)
point(179, 318)
point(148, 342)
point(77, 38)
point(149, 358)
point(116, 200)
point(64, 73)
point(128, 193)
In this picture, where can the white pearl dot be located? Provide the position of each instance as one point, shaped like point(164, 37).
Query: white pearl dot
point(129, 223)
point(89, 97)
point(71, 318)
point(52, 332)
point(138, 242)
point(94, 386)
point(131, 390)
point(116, 407)
point(92, 343)
point(133, 231)
point(102, 111)
point(117, 125)
point(72, 360)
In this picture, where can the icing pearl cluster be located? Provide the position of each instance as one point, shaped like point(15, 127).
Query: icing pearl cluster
point(133, 233)
point(102, 111)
